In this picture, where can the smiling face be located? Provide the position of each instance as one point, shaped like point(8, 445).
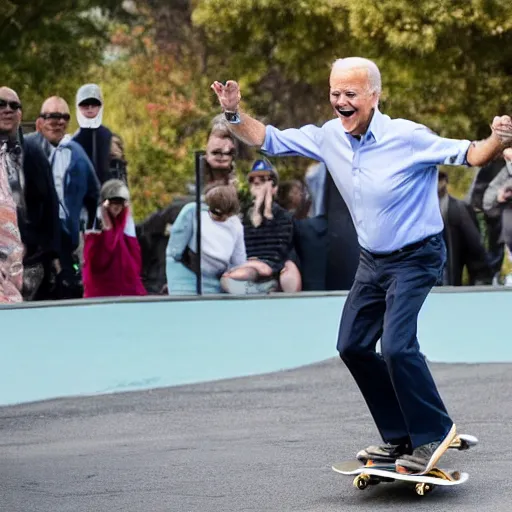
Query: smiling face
point(53, 120)
point(352, 99)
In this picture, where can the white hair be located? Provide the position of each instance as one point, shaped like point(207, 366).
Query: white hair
point(358, 62)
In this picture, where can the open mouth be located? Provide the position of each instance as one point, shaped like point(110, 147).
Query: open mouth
point(346, 112)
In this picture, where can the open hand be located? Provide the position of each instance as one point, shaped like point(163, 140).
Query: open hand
point(267, 212)
point(229, 95)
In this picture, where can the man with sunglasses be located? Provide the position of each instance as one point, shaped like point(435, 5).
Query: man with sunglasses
point(219, 158)
point(76, 187)
point(12, 182)
point(31, 186)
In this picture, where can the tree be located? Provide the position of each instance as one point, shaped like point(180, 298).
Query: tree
point(446, 63)
point(47, 46)
point(159, 107)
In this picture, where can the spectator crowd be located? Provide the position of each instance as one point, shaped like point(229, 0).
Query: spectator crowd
point(67, 230)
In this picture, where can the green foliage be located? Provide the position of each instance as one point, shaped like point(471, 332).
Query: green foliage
point(446, 63)
point(47, 46)
point(161, 112)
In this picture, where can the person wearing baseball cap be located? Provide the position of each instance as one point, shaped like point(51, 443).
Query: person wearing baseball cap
point(93, 136)
point(263, 171)
point(268, 235)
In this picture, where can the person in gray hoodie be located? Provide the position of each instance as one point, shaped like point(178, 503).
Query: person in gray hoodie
point(498, 200)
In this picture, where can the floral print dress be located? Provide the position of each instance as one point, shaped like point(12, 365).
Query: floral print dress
point(11, 247)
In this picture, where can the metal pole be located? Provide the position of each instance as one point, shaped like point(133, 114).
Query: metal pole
point(199, 185)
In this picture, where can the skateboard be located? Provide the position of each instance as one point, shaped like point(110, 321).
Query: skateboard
point(374, 473)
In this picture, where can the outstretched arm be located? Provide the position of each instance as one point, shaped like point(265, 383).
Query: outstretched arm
point(305, 141)
point(248, 130)
point(482, 152)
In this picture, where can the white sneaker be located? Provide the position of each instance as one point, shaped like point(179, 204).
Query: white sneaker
point(508, 280)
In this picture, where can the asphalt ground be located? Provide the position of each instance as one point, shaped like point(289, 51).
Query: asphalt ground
point(263, 443)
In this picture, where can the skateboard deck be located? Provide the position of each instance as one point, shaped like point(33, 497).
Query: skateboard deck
point(377, 472)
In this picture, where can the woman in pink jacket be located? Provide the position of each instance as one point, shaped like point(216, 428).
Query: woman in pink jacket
point(112, 259)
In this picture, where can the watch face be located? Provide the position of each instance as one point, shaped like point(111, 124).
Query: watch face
point(232, 117)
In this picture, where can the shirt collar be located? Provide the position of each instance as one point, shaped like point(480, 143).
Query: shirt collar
point(375, 129)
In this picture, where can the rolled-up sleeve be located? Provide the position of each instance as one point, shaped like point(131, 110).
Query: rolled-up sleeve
point(431, 149)
point(305, 141)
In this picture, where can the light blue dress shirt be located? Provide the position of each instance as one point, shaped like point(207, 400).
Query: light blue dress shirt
point(388, 178)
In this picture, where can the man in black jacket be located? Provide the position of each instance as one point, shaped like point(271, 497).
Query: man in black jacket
point(463, 240)
point(37, 206)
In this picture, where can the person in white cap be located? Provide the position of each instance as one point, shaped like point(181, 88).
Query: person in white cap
point(93, 136)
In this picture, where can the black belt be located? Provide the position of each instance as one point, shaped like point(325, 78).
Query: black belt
point(405, 248)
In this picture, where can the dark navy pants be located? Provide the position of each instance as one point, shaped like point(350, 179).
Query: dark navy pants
point(383, 303)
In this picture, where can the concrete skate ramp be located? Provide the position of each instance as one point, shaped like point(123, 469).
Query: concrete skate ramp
point(88, 347)
point(260, 443)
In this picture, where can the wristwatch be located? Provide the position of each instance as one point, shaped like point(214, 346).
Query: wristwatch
point(232, 117)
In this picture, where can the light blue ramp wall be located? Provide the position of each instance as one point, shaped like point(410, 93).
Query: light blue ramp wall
point(85, 347)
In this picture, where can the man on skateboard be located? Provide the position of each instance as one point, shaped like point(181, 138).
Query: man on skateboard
point(385, 169)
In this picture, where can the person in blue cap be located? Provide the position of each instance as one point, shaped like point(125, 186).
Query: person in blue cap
point(268, 235)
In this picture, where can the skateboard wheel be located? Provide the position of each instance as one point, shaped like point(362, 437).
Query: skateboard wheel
point(423, 488)
point(361, 481)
